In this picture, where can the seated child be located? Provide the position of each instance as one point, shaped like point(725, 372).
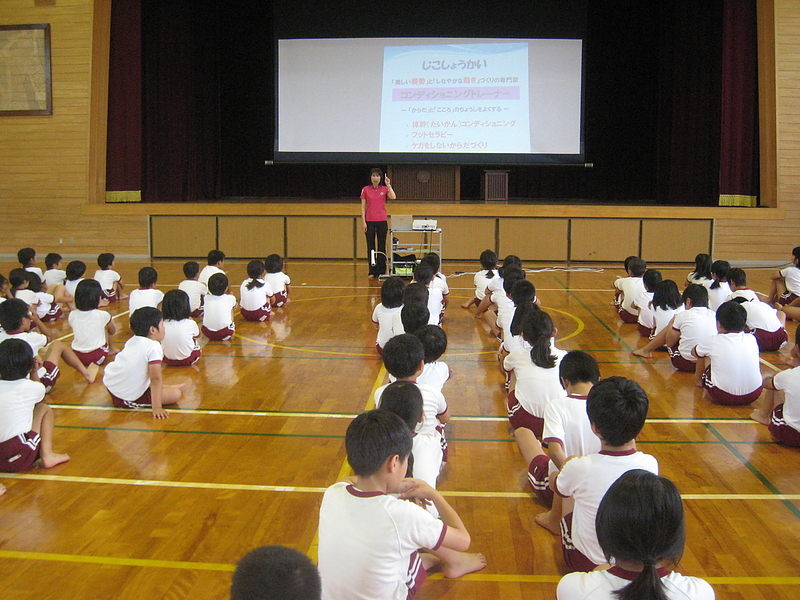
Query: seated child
point(523, 296)
point(53, 275)
point(279, 281)
point(16, 322)
point(439, 279)
point(413, 293)
point(75, 272)
point(617, 409)
point(92, 328)
point(218, 311)
point(275, 573)
point(779, 409)
point(412, 317)
point(483, 277)
point(109, 279)
point(20, 287)
point(216, 260)
point(27, 258)
point(702, 271)
point(737, 279)
point(518, 291)
point(256, 296)
point(626, 289)
point(194, 288)
point(48, 309)
point(535, 373)
point(646, 320)
point(763, 320)
point(383, 313)
point(435, 373)
point(26, 422)
point(368, 537)
point(667, 302)
point(180, 331)
point(719, 288)
point(567, 432)
point(641, 532)
point(728, 365)
point(147, 294)
point(423, 274)
point(687, 329)
point(134, 378)
point(495, 285)
point(503, 303)
point(785, 287)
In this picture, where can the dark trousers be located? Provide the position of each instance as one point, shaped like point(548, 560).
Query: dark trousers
point(377, 230)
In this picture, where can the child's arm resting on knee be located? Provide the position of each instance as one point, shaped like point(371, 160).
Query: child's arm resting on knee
point(155, 391)
point(457, 537)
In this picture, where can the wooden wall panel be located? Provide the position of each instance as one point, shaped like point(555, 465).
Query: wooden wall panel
point(319, 237)
point(675, 240)
point(441, 184)
point(604, 240)
point(534, 239)
point(183, 237)
point(251, 237)
point(465, 238)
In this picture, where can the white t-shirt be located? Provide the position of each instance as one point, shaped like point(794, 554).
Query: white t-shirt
point(566, 422)
point(662, 316)
point(435, 374)
point(761, 315)
point(367, 542)
point(17, 399)
point(106, 278)
point(718, 295)
point(587, 479)
point(534, 386)
point(218, 312)
point(89, 329)
point(72, 284)
point(642, 301)
point(28, 296)
point(54, 277)
point(693, 278)
point(36, 270)
point(397, 324)
point(435, 305)
point(481, 281)
point(505, 314)
point(179, 338)
point(791, 277)
point(735, 367)
point(440, 281)
point(277, 281)
point(256, 298)
point(433, 404)
point(207, 272)
point(745, 293)
point(144, 297)
point(128, 377)
point(696, 324)
point(630, 287)
point(789, 382)
point(496, 289)
point(601, 585)
point(195, 290)
point(35, 340)
point(383, 317)
point(45, 303)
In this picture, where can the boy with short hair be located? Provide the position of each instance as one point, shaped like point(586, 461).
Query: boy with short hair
point(26, 422)
point(617, 409)
point(216, 260)
point(413, 293)
point(435, 373)
point(109, 279)
point(193, 288)
point(275, 573)
point(727, 363)
point(368, 538)
point(53, 274)
point(134, 378)
point(27, 258)
point(779, 409)
point(218, 310)
point(412, 317)
point(785, 287)
point(567, 432)
point(626, 289)
point(765, 322)
point(147, 294)
point(15, 320)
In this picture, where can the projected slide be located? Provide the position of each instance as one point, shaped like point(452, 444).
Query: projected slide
point(455, 98)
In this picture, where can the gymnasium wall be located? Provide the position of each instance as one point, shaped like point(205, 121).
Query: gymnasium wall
point(51, 167)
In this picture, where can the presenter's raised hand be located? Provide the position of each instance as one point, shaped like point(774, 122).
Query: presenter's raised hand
point(387, 181)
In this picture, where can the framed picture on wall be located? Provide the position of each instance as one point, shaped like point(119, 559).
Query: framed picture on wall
point(25, 84)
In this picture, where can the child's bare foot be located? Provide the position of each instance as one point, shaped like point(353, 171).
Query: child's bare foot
point(91, 372)
point(53, 459)
point(463, 563)
point(640, 352)
point(760, 417)
point(549, 522)
point(2, 489)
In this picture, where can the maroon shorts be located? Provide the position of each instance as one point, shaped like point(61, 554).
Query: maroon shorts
point(575, 559)
point(110, 295)
point(54, 313)
point(50, 376)
point(143, 401)
point(184, 362)
point(770, 341)
point(19, 453)
point(722, 397)
point(787, 298)
point(416, 575)
point(281, 298)
point(262, 314)
point(783, 433)
point(97, 356)
point(519, 417)
point(645, 331)
point(220, 335)
point(680, 363)
point(626, 316)
point(539, 478)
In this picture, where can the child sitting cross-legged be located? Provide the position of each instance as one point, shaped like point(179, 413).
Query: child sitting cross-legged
point(92, 328)
point(218, 310)
point(180, 331)
point(146, 294)
point(369, 537)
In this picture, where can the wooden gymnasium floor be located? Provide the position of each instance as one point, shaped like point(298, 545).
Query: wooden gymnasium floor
point(164, 509)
